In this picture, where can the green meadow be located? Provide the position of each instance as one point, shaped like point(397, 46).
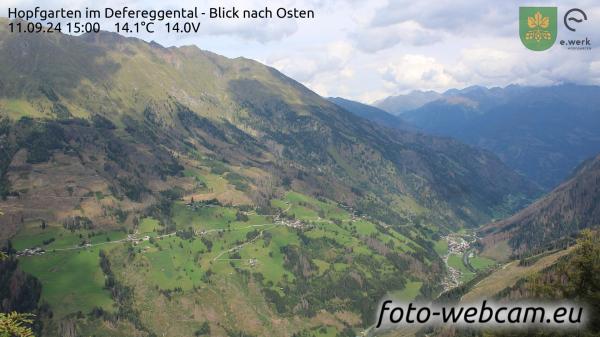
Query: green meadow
point(223, 241)
point(55, 237)
point(409, 293)
point(71, 281)
point(480, 262)
point(441, 247)
point(455, 261)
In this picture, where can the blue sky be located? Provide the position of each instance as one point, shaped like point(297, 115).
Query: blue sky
point(367, 50)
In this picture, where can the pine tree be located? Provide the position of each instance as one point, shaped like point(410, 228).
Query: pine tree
point(16, 324)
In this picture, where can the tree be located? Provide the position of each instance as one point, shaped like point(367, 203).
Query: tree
point(586, 276)
point(204, 330)
point(15, 324)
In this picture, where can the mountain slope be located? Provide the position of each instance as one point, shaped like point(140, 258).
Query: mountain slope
point(544, 133)
point(371, 113)
point(160, 190)
point(571, 207)
point(242, 111)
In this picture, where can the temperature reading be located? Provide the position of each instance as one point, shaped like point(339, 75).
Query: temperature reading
point(134, 28)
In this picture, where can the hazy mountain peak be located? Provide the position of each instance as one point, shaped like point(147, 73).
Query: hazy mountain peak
point(396, 105)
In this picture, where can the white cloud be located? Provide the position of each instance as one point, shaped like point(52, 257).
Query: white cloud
point(417, 72)
point(491, 66)
point(305, 65)
point(485, 65)
point(258, 30)
point(456, 16)
point(375, 38)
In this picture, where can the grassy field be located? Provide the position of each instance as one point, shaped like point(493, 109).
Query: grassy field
point(480, 262)
point(72, 281)
point(334, 222)
point(269, 259)
point(56, 237)
point(307, 208)
point(213, 246)
point(214, 184)
point(508, 275)
point(171, 263)
point(149, 226)
point(409, 293)
point(455, 261)
point(441, 247)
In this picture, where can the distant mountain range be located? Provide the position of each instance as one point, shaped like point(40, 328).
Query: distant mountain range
point(569, 208)
point(542, 132)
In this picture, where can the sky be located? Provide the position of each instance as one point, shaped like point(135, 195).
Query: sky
point(368, 50)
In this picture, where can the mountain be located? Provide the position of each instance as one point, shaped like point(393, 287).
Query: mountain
point(371, 113)
point(234, 110)
point(449, 113)
point(562, 213)
point(172, 191)
point(542, 132)
point(397, 105)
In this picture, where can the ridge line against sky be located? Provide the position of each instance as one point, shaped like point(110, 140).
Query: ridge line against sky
point(367, 51)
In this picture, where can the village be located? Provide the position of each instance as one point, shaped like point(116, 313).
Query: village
point(457, 245)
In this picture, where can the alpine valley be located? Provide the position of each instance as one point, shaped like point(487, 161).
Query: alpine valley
point(152, 191)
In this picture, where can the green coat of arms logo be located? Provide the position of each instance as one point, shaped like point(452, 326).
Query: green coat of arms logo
point(537, 27)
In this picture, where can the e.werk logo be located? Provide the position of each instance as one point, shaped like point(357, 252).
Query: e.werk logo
point(537, 27)
point(572, 18)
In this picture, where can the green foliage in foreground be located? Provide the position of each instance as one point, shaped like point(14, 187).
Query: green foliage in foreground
point(15, 325)
point(575, 277)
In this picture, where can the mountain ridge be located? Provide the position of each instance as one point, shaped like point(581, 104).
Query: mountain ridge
point(372, 113)
point(542, 132)
point(562, 213)
point(232, 94)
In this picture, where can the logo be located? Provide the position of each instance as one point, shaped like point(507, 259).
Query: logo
point(537, 27)
point(571, 17)
point(575, 40)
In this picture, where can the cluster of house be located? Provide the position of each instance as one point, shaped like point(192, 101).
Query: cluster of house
point(457, 245)
point(292, 223)
point(452, 279)
point(353, 214)
point(31, 251)
point(133, 238)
